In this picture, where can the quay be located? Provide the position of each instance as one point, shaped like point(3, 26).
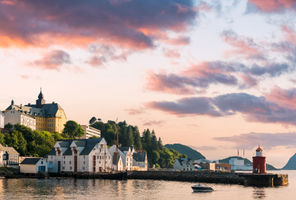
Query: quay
point(246, 179)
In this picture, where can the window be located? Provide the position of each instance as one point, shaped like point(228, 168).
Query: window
point(70, 168)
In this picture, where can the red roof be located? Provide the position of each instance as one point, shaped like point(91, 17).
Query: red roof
point(259, 149)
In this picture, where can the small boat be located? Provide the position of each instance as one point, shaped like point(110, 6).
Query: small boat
point(201, 188)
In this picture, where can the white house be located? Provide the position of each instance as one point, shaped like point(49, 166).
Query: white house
point(15, 116)
point(90, 132)
point(33, 166)
point(128, 152)
point(140, 161)
point(81, 155)
point(8, 156)
point(121, 159)
point(1, 119)
point(184, 164)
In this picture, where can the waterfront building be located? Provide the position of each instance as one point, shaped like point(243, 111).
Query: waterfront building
point(33, 166)
point(186, 164)
point(81, 155)
point(140, 161)
point(90, 132)
point(1, 120)
point(259, 162)
point(8, 157)
point(238, 164)
point(121, 159)
point(128, 153)
point(48, 117)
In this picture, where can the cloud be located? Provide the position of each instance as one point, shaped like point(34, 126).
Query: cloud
point(203, 75)
point(171, 53)
point(130, 23)
point(106, 53)
point(285, 98)
point(273, 5)
point(243, 46)
point(266, 140)
point(54, 60)
point(153, 123)
point(135, 111)
point(256, 109)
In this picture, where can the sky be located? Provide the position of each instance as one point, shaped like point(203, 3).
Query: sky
point(214, 75)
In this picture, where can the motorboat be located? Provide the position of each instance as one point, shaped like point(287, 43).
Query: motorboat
point(201, 188)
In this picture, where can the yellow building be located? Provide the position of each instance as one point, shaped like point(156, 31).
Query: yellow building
point(49, 117)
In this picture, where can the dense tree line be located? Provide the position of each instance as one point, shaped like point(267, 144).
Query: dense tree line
point(28, 142)
point(129, 135)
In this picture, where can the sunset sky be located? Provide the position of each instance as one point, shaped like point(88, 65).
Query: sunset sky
point(215, 75)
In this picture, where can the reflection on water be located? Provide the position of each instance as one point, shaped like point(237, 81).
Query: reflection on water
point(89, 189)
point(259, 193)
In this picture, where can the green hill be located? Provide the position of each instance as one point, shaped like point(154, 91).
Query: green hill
point(183, 149)
point(291, 164)
point(246, 161)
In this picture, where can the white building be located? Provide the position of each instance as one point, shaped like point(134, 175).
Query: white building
point(8, 156)
point(140, 161)
point(33, 166)
point(128, 153)
point(238, 164)
point(125, 156)
point(184, 164)
point(82, 155)
point(90, 132)
point(1, 120)
point(19, 117)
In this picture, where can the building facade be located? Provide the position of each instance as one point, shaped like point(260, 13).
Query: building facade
point(17, 116)
point(90, 132)
point(82, 155)
point(140, 161)
point(8, 156)
point(33, 166)
point(48, 117)
point(1, 119)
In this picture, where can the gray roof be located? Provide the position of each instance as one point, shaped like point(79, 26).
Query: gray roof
point(139, 156)
point(52, 152)
point(30, 161)
point(88, 145)
point(47, 110)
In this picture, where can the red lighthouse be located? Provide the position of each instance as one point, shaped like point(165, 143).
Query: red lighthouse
point(259, 162)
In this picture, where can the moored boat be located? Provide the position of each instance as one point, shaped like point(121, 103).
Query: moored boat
point(201, 188)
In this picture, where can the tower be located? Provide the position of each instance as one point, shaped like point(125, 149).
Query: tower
point(259, 162)
point(40, 101)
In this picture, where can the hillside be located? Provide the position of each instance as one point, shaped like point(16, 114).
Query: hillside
point(291, 164)
point(246, 161)
point(183, 149)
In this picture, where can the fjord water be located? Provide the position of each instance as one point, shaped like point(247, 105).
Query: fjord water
point(135, 189)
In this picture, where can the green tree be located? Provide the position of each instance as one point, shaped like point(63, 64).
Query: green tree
point(137, 139)
point(92, 120)
point(73, 129)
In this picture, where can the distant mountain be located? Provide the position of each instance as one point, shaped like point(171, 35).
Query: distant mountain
point(183, 149)
point(246, 161)
point(291, 165)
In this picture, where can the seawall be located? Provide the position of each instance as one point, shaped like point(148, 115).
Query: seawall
point(264, 180)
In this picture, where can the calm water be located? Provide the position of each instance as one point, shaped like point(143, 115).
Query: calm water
point(135, 189)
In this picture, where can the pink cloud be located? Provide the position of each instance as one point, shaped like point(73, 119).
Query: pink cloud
point(290, 34)
point(40, 23)
point(171, 53)
point(242, 46)
point(53, 60)
point(285, 98)
point(273, 5)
